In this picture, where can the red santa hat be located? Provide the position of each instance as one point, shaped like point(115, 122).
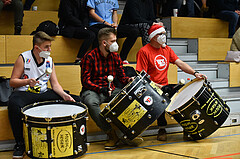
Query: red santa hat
point(154, 30)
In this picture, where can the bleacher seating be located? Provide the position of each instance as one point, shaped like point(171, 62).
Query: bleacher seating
point(69, 77)
point(186, 27)
point(45, 5)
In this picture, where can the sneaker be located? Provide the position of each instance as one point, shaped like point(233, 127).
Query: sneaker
point(112, 141)
point(162, 135)
point(125, 62)
point(77, 62)
point(18, 151)
point(135, 142)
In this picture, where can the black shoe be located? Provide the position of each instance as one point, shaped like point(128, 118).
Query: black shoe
point(18, 151)
point(162, 135)
point(77, 62)
point(17, 30)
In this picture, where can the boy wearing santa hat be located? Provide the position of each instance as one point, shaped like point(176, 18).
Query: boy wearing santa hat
point(155, 58)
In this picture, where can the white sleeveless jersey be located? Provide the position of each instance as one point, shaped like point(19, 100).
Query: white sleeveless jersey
point(34, 70)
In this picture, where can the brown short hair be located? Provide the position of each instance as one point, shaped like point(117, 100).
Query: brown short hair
point(40, 37)
point(104, 33)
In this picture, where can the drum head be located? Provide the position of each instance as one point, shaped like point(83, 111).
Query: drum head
point(185, 94)
point(54, 110)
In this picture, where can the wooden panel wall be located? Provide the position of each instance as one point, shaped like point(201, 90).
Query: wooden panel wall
point(2, 49)
point(186, 27)
point(234, 74)
point(213, 49)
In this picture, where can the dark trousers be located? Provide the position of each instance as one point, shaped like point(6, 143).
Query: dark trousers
point(18, 100)
point(80, 33)
point(17, 7)
point(28, 4)
point(232, 18)
point(129, 32)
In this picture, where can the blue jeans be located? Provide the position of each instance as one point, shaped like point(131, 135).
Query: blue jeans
point(190, 6)
point(93, 101)
point(231, 17)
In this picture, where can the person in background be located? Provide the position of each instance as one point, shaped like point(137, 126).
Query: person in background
point(73, 23)
point(139, 14)
point(17, 7)
point(104, 14)
point(154, 58)
point(28, 4)
point(228, 10)
point(96, 66)
point(27, 89)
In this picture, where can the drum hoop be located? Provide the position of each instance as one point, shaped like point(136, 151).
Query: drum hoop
point(60, 122)
point(54, 102)
point(125, 93)
point(180, 90)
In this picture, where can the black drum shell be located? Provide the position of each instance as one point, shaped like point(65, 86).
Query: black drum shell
point(202, 116)
point(121, 102)
point(78, 123)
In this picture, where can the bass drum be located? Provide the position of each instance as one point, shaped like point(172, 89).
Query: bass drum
point(136, 106)
point(55, 129)
point(198, 109)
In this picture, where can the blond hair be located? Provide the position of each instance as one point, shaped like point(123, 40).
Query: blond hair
point(40, 37)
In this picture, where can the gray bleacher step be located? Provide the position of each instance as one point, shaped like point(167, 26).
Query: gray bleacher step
point(188, 57)
point(218, 83)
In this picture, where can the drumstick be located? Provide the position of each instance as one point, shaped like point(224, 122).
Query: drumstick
point(48, 71)
point(110, 79)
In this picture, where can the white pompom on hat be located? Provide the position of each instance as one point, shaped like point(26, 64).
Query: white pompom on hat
point(154, 30)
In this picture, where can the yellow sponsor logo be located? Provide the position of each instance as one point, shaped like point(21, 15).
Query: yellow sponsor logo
point(189, 126)
point(132, 114)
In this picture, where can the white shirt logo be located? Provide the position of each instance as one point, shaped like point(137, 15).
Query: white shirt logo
point(160, 62)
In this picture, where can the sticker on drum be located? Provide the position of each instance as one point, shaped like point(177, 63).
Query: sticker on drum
point(82, 129)
point(132, 114)
point(148, 100)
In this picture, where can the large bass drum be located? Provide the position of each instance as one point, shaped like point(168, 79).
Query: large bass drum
point(55, 129)
point(198, 109)
point(136, 106)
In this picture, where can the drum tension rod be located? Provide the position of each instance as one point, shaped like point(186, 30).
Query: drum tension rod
point(195, 99)
point(180, 113)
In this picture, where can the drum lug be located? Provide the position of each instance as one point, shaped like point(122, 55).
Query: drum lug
point(50, 155)
point(87, 118)
point(125, 136)
point(26, 125)
point(74, 125)
point(113, 113)
point(75, 152)
point(149, 116)
point(164, 100)
point(29, 152)
point(130, 97)
point(80, 149)
point(49, 128)
point(48, 119)
point(144, 82)
point(215, 122)
point(74, 116)
point(133, 132)
point(109, 120)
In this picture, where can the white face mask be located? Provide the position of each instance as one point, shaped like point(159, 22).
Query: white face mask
point(161, 39)
point(113, 47)
point(44, 54)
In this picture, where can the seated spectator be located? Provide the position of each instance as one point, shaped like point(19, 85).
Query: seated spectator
point(139, 14)
point(73, 23)
point(228, 10)
point(104, 14)
point(17, 7)
point(169, 5)
point(28, 4)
